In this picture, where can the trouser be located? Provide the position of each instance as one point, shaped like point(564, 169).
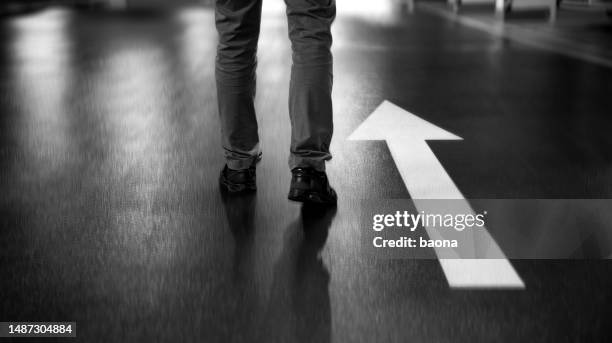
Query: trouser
point(310, 105)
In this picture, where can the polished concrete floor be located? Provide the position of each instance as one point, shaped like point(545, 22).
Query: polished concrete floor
point(110, 213)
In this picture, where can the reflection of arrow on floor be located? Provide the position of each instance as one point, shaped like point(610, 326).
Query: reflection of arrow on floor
point(479, 262)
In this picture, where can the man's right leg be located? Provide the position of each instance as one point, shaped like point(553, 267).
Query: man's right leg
point(238, 24)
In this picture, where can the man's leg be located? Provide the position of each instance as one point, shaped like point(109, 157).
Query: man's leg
point(310, 104)
point(238, 23)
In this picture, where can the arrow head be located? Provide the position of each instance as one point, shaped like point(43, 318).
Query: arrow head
point(389, 121)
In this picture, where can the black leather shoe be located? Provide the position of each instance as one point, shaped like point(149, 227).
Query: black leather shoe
point(311, 186)
point(238, 181)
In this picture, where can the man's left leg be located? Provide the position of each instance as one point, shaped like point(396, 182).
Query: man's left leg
point(310, 103)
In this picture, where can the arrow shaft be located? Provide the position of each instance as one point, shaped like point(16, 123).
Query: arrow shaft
point(478, 262)
point(423, 174)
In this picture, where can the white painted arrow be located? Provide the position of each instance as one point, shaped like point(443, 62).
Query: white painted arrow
point(479, 262)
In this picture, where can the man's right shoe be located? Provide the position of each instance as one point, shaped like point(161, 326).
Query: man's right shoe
point(311, 186)
point(238, 181)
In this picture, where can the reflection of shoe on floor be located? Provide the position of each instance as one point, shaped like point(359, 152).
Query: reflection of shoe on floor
point(311, 186)
point(238, 181)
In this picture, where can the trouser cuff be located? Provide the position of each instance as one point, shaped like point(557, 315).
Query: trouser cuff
point(301, 162)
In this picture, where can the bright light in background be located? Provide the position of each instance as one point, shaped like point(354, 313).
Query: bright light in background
point(361, 8)
point(199, 37)
point(41, 69)
point(273, 6)
point(366, 8)
point(41, 38)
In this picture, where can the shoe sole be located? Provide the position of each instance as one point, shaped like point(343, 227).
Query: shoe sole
point(311, 197)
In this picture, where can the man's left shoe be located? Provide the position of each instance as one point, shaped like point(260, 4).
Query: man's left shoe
point(311, 186)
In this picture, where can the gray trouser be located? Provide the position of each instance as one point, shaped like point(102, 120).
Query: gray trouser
point(310, 105)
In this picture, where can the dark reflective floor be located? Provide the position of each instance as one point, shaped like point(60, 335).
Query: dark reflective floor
point(110, 214)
